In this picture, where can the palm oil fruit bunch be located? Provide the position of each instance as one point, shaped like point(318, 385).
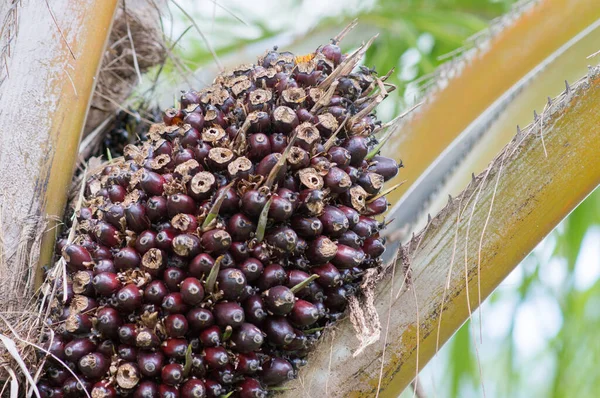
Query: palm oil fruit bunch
point(207, 261)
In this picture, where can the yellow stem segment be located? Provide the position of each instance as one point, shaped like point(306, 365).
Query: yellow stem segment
point(47, 79)
point(491, 72)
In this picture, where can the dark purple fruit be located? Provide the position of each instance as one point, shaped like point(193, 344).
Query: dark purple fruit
point(309, 227)
point(136, 218)
point(273, 275)
point(127, 333)
point(279, 300)
point(155, 292)
point(127, 258)
point(93, 366)
point(254, 310)
point(373, 247)
point(186, 245)
point(216, 241)
point(108, 322)
point(211, 336)
point(279, 331)
point(216, 357)
point(283, 239)
point(199, 319)
point(191, 291)
point(240, 227)
point(174, 348)
point(321, 250)
point(253, 202)
point(172, 374)
point(228, 314)
point(146, 389)
point(173, 304)
point(77, 348)
point(276, 371)
point(129, 298)
point(347, 257)
point(248, 363)
point(304, 313)
point(386, 167)
point(193, 388)
point(103, 389)
point(231, 282)
point(150, 363)
point(176, 325)
point(247, 338)
point(252, 269)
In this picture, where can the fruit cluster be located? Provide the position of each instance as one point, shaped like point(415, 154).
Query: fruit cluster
point(208, 259)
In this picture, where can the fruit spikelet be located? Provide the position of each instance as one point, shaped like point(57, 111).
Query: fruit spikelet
point(208, 259)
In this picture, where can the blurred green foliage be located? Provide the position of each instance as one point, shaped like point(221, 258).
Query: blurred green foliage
point(539, 326)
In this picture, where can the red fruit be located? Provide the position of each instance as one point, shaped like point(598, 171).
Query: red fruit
point(211, 336)
point(180, 203)
point(279, 331)
point(329, 275)
point(347, 257)
point(146, 389)
point(186, 245)
point(248, 338)
point(156, 208)
point(304, 313)
point(321, 250)
point(231, 282)
point(173, 277)
point(106, 234)
point(103, 389)
point(145, 241)
point(155, 292)
point(201, 265)
point(127, 333)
